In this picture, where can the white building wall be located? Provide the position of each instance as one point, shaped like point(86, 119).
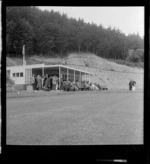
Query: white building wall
point(15, 70)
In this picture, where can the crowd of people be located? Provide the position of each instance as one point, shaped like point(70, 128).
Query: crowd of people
point(76, 86)
point(48, 83)
point(52, 82)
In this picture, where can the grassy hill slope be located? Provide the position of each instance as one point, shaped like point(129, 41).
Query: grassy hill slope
point(105, 72)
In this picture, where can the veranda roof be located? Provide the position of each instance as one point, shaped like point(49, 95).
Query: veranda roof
point(47, 66)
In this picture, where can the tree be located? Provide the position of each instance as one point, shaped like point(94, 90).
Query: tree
point(49, 32)
point(46, 36)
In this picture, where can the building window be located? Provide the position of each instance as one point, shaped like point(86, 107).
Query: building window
point(18, 74)
point(21, 74)
point(14, 75)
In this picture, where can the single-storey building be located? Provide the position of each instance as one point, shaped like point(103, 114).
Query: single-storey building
point(22, 74)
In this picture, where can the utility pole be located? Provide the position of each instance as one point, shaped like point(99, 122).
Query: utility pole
point(23, 53)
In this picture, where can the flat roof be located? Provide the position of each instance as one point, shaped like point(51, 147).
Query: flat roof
point(47, 66)
point(64, 66)
point(27, 66)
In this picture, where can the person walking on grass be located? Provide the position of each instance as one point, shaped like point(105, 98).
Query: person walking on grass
point(130, 85)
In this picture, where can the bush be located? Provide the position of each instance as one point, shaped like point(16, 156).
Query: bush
point(112, 69)
point(135, 59)
point(137, 56)
point(9, 81)
point(129, 62)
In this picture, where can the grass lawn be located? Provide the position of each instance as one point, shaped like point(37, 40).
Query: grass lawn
point(81, 118)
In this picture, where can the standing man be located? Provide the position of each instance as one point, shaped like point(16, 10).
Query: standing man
point(45, 78)
point(130, 85)
point(51, 82)
point(54, 82)
point(39, 82)
point(57, 82)
point(42, 78)
point(47, 83)
point(33, 82)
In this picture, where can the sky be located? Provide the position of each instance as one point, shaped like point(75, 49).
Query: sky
point(126, 19)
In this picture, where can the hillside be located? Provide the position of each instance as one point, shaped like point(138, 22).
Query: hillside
point(114, 75)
